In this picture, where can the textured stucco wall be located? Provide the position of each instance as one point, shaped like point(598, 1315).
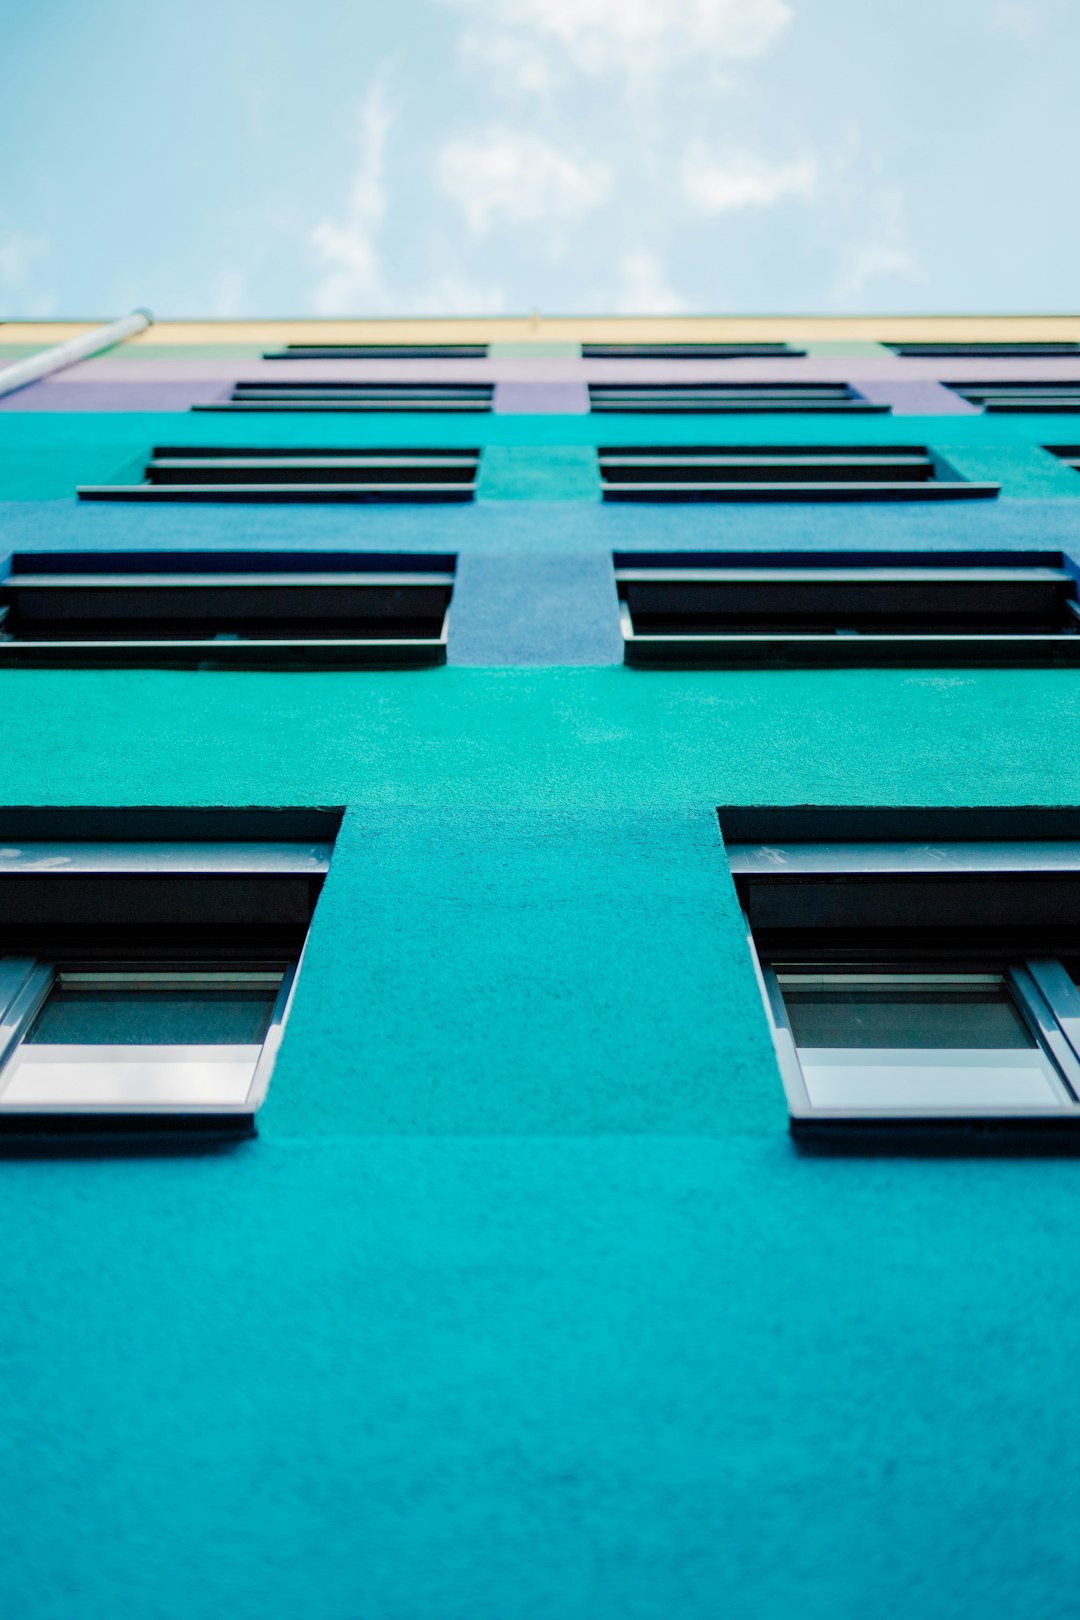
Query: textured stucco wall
point(522, 1305)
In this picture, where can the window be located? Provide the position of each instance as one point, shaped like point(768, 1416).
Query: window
point(1068, 453)
point(803, 610)
point(687, 399)
point(1015, 398)
point(144, 985)
point(984, 351)
point(380, 351)
point(915, 987)
point(212, 610)
point(690, 351)
point(186, 472)
point(781, 472)
point(354, 396)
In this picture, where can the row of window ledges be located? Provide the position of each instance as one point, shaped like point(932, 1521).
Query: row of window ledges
point(624, 398)
point(1024, 350)
point(920, 971)
point(815, 472)
point(325, 396)
point(298, 473)
point(681, 399)
point(1003, 397)
point(719, 610)
point(147, 966)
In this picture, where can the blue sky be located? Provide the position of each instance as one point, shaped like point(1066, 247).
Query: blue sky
point(257, 157)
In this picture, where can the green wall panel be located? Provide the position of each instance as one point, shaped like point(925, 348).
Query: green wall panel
point(515, 972)
point(43, 455)
point(548, 738)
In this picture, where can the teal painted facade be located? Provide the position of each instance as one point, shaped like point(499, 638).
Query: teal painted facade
point(522, 1304)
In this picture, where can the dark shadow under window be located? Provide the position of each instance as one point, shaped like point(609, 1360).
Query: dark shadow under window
point(247, 473)
point(226, 609)
point(781, 472)
point(690, 351)
point(689, 398)
point(1018, 398)
point(379, 351)
point(1024, 350)
point(806, 610)
point(355, 396)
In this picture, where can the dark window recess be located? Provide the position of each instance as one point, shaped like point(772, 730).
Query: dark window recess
point(354, 396)
point(1017, 398)
point(984, 351)
point(1068, 453)
point(257, 473)
point(379, 351)
point(218, 610)
point(687, 399)
point(833, 610)
point(780, 472)
point(144, 985)
point(690, 351)
point(920, 993)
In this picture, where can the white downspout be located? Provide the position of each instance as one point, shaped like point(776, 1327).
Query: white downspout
point(66, 354)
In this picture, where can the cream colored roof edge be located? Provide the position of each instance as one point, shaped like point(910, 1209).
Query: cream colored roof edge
point(577, 328)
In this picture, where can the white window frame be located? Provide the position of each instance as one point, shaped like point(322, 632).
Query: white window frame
point(27, 980)
point(1043, 992)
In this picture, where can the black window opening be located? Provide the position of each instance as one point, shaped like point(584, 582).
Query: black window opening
point(355, 396)
point(745, 610)
point(1068, 453)
point(691, 351)
point(984, 351)
point(379, 351)
point(247, 473)
point(1019, 398)
point(781, 472)
point(920, 990)
point(145, 983)
point(687, 399)
point(219, 610)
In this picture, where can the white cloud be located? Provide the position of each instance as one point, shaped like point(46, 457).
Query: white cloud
point(719, 186)
point(643, 287)
point(354, 277)
point(518, 177)
point(508, 60)
point(638, 37)
point(882, 253)
point(1016, 19)
point(348, 246)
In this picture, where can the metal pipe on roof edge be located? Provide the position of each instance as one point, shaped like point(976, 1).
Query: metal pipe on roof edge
point(61, 355)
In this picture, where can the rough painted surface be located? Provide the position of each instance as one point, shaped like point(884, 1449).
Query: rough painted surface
point(548, 1379)
point(523, 1306)
point(45, 454)
point(521, 607)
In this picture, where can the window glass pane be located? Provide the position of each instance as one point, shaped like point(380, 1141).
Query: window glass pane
point(140, 1011)
point(143, 1040)
point(915, 1041)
